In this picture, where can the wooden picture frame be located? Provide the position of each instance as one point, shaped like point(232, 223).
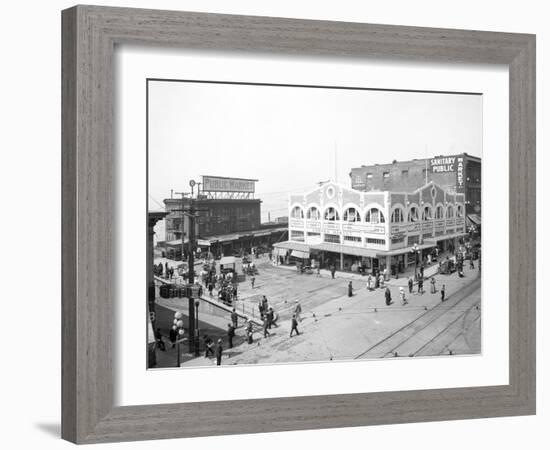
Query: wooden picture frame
point(89, 37)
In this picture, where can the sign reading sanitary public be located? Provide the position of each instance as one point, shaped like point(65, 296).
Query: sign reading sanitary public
point(223, 184)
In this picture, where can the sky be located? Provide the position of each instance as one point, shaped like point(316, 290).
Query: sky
point(290, 138)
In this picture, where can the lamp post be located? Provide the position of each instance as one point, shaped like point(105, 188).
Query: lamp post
point(197, 351)
point(178, 326)
point(415, 251)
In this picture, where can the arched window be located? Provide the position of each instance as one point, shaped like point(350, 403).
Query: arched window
point(459, 211)
point(331, 214)
point(297, 213)
point(313, 213)
point(427, 213)
point(374, 215)
point(439, 212)
point(413, 214)
point(352, 215)
point(450, 212)
point(397, 216)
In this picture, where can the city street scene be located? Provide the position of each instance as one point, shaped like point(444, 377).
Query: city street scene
point(291, 224)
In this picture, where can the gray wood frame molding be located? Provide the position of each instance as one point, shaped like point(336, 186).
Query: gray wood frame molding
point(89, 36)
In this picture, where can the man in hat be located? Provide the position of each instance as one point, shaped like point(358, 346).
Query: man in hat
point(219, 351)
point(230, 334)
point(387, 294)
point(234, 318)
point(294, 326)
point(270, 316)
point(443, 293)
point(298, 311)
point(350, 289)
point(410, 283)
point(402, 295)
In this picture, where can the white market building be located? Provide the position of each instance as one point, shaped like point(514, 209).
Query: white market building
point(336, 225)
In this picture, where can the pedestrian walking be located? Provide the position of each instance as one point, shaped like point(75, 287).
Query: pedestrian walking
point(381, 280)
point(421, 285)
point(249, 332)
point(261, 309)
point(234, 318)
point(230, 334)
point(318, 270)
point(219, 352)
point(160, 342)
point(173, 336)
point(294, 326)
point(350, 289)
point(265, 327)
point(210, 288)
point(472, 266)
point(433, 290)
point(332, 271)
point(403, 297)
point(298, 311)
point(410, 283)
point(209, 344)
point(387, 294)
point(252, 281)
point(443, 293)
point(270, 316)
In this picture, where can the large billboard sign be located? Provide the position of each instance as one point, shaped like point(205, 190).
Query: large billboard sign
point(224, 184)
point(450, 164)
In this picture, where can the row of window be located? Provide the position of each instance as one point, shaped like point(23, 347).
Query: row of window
point(299, 236)
point(375, 216)
point(428, 213)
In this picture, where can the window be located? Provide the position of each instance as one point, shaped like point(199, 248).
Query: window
point(397, 216)
point(404, 173)
point(450, 212)
point(439, 212)
point(352, 238)
point(331, 214)
point(374, 215)
point(313, 234)
point(413, 214)
point(296, 235)
point(376, 241)
point(369, 176)
point(397, 240)
point(459, 211)
point(386, 176)
point(351, 215)
point(313, 213)
point(333, 238)
point(297, 213)
point(427, 213)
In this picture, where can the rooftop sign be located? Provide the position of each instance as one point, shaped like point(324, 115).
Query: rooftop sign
point(225, 184)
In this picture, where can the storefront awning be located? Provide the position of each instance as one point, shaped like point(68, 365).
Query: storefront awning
point(227, 260)
point(299, 254)
point(433, 240)
point(288, 245)
point(345, 249)
point(401, 251)
point(475, 219)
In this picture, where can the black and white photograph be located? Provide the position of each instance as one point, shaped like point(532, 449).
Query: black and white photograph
point(302, 224)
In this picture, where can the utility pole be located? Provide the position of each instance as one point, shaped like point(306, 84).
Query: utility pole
point(191, 213)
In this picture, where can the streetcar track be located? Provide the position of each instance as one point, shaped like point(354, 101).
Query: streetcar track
point(462, 316)
point(466, 293)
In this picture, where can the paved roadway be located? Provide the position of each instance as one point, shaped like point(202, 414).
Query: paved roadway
point(335, 326)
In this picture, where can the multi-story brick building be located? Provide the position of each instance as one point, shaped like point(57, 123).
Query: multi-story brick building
point(454, 173)
point(228, 218)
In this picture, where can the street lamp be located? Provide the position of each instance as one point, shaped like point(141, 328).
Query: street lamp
point(178, 326)
point(415, 251)
point(197, 352)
